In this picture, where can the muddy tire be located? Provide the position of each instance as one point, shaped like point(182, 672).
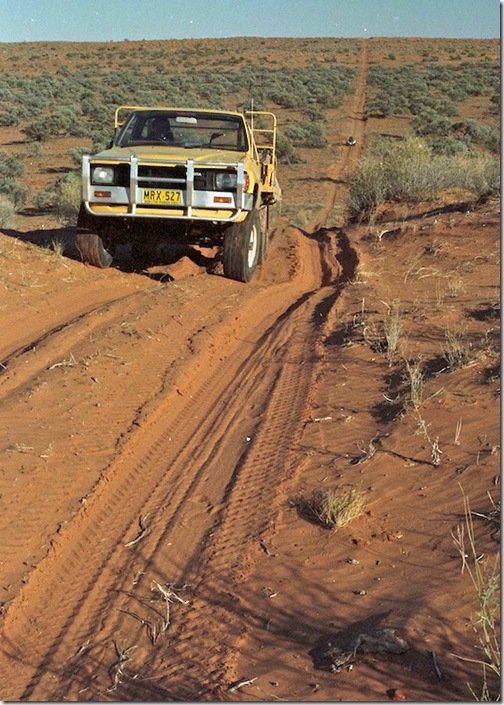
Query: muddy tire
point(242, 244)
point(90, 244)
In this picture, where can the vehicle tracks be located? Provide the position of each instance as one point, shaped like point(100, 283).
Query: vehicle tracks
point(191, 489)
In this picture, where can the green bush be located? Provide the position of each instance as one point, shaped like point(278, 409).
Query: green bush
point(12, 167)
point(411, 171)
point(286, 152)
point(7, 212)
point(450, 146)
point(422, 90)
point(76, 154)
point(67, 198)
point(307, 134)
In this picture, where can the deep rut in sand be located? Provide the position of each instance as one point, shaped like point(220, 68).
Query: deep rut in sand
point(184, 501)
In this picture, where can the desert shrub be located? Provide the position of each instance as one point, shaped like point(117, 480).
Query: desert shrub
point(462, 137)
point(8, 120)
point(101, 138)
point(430, 123)
point(410, 171)
point(470, 128)
point(76, 154)
point(318, 84)
point(38, 130)
point(7, 212)
point(11, 166)
point(457, 350)
point(484, 574)
point(307, 134)
point(61, 122)
point(67, 198)
point(431, 90)
point(477, 173)
point(313, 112)
point(493, 142)
point(13, 190)
point(286, 152)
point(449, 146)
point(399, 171)
point(495, 104)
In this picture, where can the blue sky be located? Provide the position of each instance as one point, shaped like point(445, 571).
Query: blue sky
point(115, 20)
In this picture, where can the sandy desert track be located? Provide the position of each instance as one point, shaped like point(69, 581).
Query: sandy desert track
point(160, 421)
point(179, 448)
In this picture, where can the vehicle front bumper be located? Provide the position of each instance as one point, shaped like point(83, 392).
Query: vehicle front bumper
point(195, 204)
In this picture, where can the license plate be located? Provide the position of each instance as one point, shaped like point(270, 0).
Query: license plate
point(162, 196)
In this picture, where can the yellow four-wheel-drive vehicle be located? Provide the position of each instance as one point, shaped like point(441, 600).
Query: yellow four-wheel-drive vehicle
point(191, 176)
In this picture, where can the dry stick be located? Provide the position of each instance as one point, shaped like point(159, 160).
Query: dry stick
point(143, 531)
point(72, 362)
point(438, 670)
point(168, 596)
point(458, 429)
point(123, 658)
point(240, 684)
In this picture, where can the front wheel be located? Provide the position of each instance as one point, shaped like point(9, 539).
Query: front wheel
point(89, 243)
point(242, 242)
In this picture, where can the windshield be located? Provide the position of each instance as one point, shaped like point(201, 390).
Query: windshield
point(183, 129)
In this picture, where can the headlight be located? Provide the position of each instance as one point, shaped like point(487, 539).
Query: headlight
point(102, 175)
point(225, 181)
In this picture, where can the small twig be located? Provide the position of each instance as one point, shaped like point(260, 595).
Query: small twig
point(458, 429)
point(72, 362)
point(240, 684)
point(83, 649)
point(438, 670)
point(117, 669)
point(143, 531)
point(436, 452)
point(168, 595)
point(479, 514)
point(367, 452)
point(21, 448)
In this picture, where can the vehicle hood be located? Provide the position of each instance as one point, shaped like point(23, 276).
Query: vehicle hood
point(147, 152)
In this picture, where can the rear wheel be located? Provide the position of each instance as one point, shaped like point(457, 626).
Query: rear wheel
point(90, 243)
point(242, 243)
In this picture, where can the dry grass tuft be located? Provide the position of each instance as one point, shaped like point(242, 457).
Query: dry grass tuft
point(457, 350)
point(392, 328)
point(333, 508)
point(416, 378)
point(485, 577)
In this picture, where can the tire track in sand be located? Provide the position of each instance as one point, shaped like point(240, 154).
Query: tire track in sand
point(103, 588)
point(89, 573)
point(202, 657)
